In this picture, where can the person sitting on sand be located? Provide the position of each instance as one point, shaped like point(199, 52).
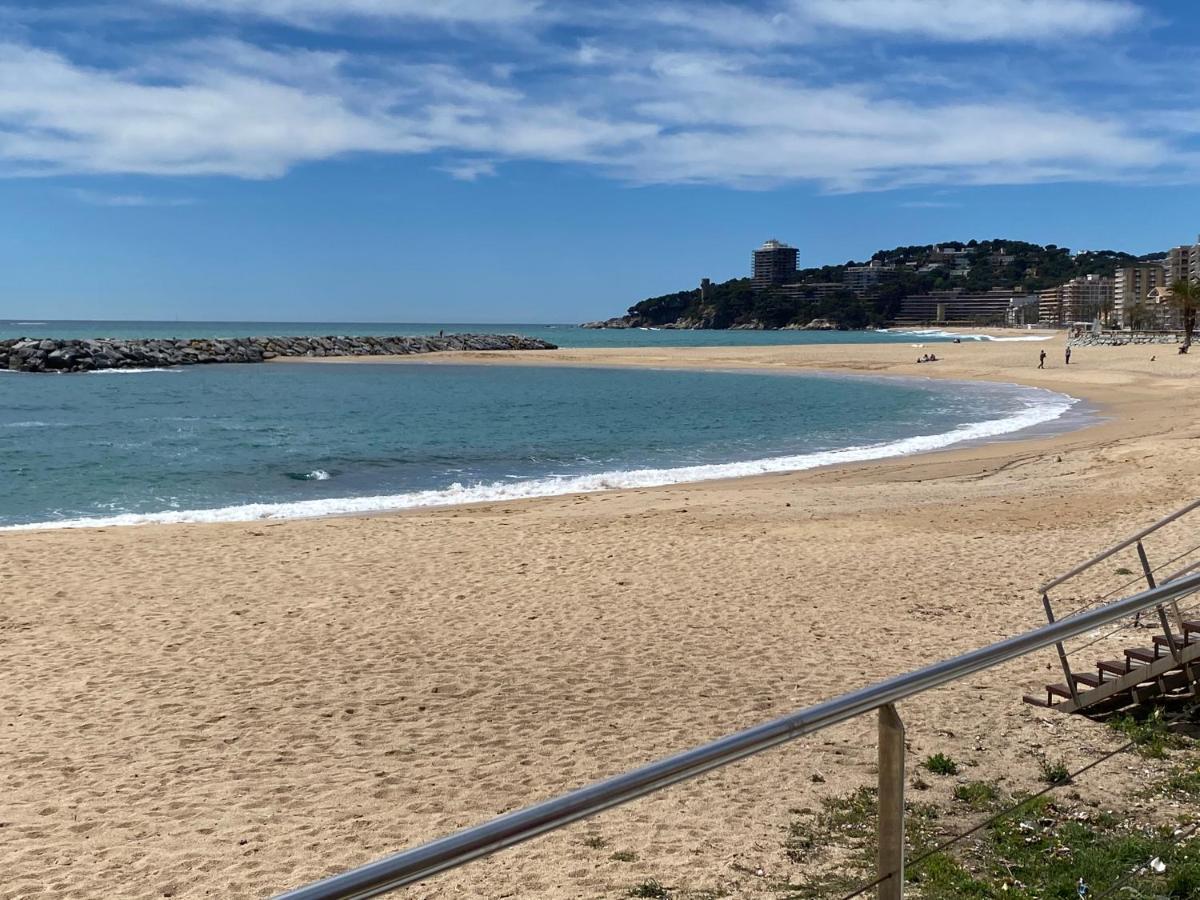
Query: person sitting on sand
point(933, 357)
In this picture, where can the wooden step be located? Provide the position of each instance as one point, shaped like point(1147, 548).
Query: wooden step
point(1037, 701)
point(1142, 654)
point(1191, 626)
point(1060, 690)
point(1085, 678)
point(1179, 640)
point(1116, 667)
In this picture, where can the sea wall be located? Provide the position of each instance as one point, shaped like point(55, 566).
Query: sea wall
point(1121, 338)
point(77, 355)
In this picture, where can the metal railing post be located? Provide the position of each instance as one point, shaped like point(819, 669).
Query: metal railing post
point(1062, 652)
point(890, 858)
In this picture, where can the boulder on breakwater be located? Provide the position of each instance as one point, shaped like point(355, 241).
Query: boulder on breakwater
point(78, 355)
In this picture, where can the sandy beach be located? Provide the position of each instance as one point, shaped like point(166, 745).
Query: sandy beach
point(232, 710)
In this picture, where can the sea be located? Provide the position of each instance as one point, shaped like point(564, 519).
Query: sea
point(292, 440)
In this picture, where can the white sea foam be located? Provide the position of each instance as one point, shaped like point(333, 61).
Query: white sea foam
point(940, 333)
point(130, 371)
point(1041, 407)
point(318, 475)
point(30, 424)
point(31, 323)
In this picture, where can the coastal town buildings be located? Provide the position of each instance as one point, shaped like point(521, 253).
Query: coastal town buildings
point(955, 307)
point(1081, 299)
point(863, 280)
point(1183, 262)
point(773, 263)
point(1131, 286)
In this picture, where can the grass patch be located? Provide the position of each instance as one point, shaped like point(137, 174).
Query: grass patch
point(595, 842)
point(941, 764)
point(1124, 571)
point(648, 888)
point(850, 823)
point(624, 856)
point(977, 794)
point(1148, 732)
point(1054, 771)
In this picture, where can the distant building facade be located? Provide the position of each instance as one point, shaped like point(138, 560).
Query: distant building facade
point(1131, 287)
point(959, 308)
point(1081, 299)
point(1183, 263)
point(863, 280)
point(774, 263)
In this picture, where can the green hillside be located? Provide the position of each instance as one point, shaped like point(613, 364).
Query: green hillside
point(988, 264)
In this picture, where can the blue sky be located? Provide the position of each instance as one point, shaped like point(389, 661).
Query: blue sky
point(516, 160)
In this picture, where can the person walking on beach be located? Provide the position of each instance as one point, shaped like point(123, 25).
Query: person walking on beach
point(1042, 360)
point(1068, 356)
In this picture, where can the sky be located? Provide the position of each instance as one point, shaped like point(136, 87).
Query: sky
point(526, 161)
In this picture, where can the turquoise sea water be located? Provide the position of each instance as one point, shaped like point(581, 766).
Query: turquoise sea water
point(563, 335)
point(222, 443)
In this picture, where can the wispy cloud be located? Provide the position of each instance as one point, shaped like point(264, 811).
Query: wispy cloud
point(602, 95)
point(977, 20)
point(470, 169)
point(929, 204)
point(314, 12)
point(103, 198)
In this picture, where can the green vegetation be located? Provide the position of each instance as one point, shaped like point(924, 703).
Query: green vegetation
point(977, 794)
point(1149, 733)
point(595, 842)
point(1185, 297)
point(624, 856)
point(648, 888)
point(1054, 772)
point(1124, 571)
point(941, 764)
point(989, 264)
point(1040, 851)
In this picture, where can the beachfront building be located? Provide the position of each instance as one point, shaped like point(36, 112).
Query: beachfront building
point(1157, 313)
point(1132, 285)
point(955, 307)
point(1081, 299)
point(774, 263)
point(819, 290)
point(1183, 262)
point(863, 280)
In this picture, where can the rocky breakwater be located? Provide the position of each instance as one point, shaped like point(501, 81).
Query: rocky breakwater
point(77, 355)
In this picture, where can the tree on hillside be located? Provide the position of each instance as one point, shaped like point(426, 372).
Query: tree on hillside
point(1185, 297)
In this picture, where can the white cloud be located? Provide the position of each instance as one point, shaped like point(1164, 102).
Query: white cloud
point(311, 12)
point(704, 114)
point(470, 169)
point(103, 198)
point(976, 20)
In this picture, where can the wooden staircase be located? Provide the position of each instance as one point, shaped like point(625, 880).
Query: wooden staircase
point(1164, 669)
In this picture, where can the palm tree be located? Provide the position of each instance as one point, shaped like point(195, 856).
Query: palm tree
point(1185, 298)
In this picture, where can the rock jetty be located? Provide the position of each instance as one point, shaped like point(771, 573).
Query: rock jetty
point(77, 355)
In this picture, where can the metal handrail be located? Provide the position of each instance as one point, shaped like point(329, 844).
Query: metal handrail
point(1117, 548)
point(421, 862)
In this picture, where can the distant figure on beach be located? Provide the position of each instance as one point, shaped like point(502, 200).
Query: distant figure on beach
point(933, 357)
point(1042, 360)
point(1153, 358)
point(958, 340)
point(1183, 348)
point(1068, 356)
point(441, 332)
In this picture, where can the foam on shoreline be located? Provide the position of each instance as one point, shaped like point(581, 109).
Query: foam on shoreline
point(1042, 407)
